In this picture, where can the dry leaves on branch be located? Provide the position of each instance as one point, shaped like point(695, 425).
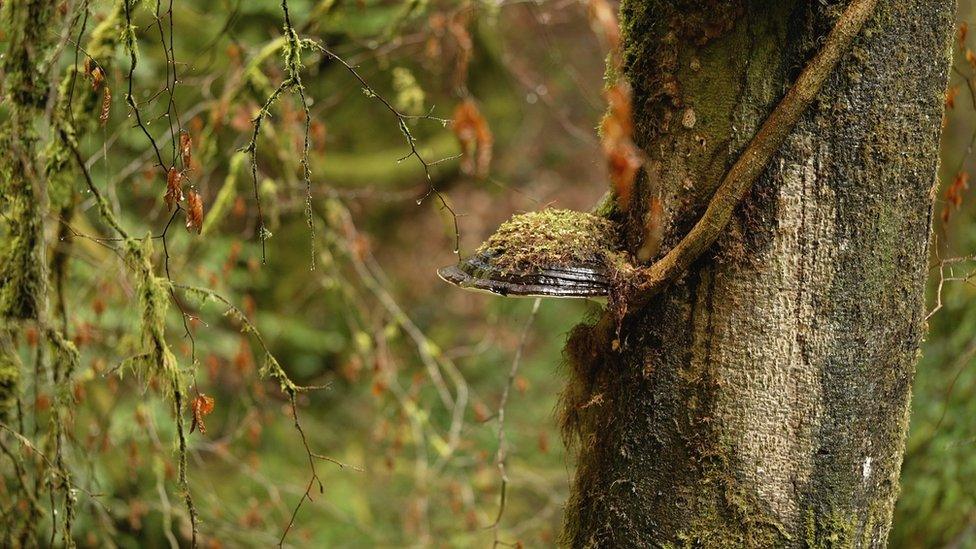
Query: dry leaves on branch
point(954, 194)
point(474, 135)
point(186, 144)
point(653, 231)
point(106, 106)
point(623, 158)
point(97, 77)
point(201, 407)
point(450, 32)
point(194, 211)
point(174, 188)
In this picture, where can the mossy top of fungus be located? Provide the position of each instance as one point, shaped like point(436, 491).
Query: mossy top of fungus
point(556, 253)
point(551, 237)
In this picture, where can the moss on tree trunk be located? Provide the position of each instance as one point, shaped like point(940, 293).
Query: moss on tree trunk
point(21, 254)
point(762, 399)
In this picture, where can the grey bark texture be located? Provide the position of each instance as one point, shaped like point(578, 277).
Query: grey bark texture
point(763, 398)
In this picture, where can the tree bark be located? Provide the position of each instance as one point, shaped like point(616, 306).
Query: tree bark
point(762, 399)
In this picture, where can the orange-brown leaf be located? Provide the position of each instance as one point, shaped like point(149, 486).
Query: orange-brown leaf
point(174, 187)
point(194, 211)
point(951, 94)
point(106, 106)
point(653, 231)
point(186, 144)
point(603, 19)
point(954, 194)
point(465, 46)
point(97, 76)
point(623, 158)
point(475, 138)
point(623, 163)
point(201, 407)
point(618, 123)
point(319, 134)
point(234, 54)
point(963, 32)
point(240, 207)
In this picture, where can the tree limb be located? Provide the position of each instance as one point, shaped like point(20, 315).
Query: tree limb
point(646, 282)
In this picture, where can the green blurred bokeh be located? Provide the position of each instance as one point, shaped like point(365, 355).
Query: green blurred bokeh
point(536, 74)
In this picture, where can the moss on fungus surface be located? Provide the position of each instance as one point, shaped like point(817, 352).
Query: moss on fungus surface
point(552, 238)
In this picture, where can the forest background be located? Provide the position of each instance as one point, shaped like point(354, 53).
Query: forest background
point(428, 124)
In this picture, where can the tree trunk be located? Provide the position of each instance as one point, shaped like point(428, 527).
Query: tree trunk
point(763, 398)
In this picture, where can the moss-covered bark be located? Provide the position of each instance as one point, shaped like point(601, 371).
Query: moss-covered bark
point(25, 91)
point(10, 372)
point(762, 399)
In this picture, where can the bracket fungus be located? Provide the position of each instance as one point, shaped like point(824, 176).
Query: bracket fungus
point(561, 253)
point(550, 253)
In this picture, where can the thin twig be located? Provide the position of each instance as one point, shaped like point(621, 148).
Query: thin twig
point(407, 135)
point(502, 453)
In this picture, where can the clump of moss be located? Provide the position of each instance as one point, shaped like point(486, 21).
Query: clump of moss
point(21, 275)
point(156, 358)
point(10, 368)
point(552, 237)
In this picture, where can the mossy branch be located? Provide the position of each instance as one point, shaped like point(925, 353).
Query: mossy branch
point(645, 283)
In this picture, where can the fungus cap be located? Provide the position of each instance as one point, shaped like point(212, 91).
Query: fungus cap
point(551, 253)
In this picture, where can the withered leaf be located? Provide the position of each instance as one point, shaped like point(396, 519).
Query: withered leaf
point(623, 158)
point(954, 194)
point(950, 100)
point(475, 138)
point(98, 77)
point(174, 187)
point(194, 212)
point(106, 106)
point(201, 407)
point(186, 144)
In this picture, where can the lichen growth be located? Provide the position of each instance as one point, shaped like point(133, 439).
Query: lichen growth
point(21, 265)
point(155, 358)
point(552, 238)
point(10, 368)
point(410, 96)
point(76, 101)
point(21, 230)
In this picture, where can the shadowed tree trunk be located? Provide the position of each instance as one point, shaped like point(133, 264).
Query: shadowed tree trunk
point(762, 399)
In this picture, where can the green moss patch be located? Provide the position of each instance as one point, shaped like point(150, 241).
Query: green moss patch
point(552, 238)
point(10, 368)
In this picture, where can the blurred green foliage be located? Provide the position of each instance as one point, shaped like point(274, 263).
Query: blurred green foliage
point(370, 321)
point(937, 506)
point(413, 371)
